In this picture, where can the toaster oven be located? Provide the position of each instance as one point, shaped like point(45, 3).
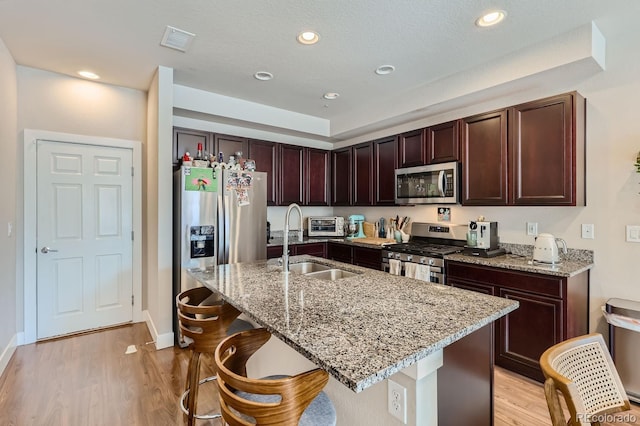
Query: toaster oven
point(326, 226)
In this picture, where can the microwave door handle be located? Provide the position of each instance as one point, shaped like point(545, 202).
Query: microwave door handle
point(442, 182)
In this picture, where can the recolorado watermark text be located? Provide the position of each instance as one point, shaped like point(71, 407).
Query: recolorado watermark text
point(608, 418)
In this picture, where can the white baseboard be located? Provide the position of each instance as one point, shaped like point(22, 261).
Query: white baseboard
point(160, 341)
point(7, 353)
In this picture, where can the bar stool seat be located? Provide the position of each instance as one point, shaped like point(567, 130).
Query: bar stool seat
point(203, 324)
point(273, 400)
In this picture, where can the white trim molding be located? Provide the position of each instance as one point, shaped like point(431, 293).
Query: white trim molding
point(7, 353)
point(160, 341)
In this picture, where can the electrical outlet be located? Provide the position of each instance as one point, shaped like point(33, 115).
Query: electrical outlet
point(532, 228)
point(397, 401)
point(9, 229)
point(588, 231)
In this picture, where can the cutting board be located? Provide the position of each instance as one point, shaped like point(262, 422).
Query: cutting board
point(374, 241)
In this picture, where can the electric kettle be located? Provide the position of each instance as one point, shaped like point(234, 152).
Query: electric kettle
point(545, 249)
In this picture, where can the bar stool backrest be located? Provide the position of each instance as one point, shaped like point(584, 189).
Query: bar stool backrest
point(295, 392)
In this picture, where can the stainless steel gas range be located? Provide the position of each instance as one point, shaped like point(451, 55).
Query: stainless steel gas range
point(428, 245)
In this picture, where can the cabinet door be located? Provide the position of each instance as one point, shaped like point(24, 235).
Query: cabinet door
point(274, 251)
point(185, 140)
point(385, 163)
point(317, 179)
point(443, 142)
point(265, 155)
point(546, 156)
point(312, 249)
point(367, 257)
point(412, 148)
point(229, 145)
point(290, 189)
point(484, 159)
point(341, 177)
point(339, 252)
point(363, 175)
point(525, 333)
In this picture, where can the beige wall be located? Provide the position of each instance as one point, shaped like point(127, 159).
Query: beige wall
point(8, 177)
point(159, 212)
point(55, 102)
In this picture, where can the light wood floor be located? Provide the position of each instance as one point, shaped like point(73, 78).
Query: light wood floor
point(89, 380)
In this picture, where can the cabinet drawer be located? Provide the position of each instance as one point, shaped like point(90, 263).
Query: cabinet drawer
point(274, 251)
point(369, 258)
point(466, 285)
point(535, 283)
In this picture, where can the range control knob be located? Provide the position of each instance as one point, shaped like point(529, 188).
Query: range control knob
point(409, 257)
point(398, 255)
point(423, 260)
point(390, 254)
point(431, 261)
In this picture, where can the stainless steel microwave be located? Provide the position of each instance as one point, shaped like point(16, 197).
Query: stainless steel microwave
point(431, 184)
point(326, 226)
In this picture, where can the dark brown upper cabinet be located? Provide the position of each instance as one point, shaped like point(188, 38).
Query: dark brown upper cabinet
point(484, 159)
point(265, 155)
point(291, 187)
point(317, 177)
point(443, 142)
point(341, 176)
point(363, 175)
point(187, 140)
point(229, 145)
point(546, 148)
point(412, 148)
point(385, 155)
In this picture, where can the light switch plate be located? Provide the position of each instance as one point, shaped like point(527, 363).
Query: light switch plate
point(532, 228)
point(633, 233)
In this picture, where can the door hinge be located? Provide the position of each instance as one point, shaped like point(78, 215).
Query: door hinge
point(132, 170)
point(131, 235)
point(132, 300)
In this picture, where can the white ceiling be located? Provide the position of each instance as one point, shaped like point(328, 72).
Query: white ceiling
point(426, 40)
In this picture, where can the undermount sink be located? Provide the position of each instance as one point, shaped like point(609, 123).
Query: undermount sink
point(319, 271)
point(331, 274)
point(307, 267)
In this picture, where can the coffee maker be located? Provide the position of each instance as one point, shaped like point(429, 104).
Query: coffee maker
point(355, 227)
point(483, 240)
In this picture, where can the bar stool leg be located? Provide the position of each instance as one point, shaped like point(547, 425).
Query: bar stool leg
point(189, 399)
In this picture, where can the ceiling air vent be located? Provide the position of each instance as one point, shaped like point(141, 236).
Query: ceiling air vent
point(175, 38)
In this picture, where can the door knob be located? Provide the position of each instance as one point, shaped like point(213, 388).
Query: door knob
point(47, 250)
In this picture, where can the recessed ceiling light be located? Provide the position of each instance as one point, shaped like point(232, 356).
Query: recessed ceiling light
point(88, 74)
point(491, 18)
point(331, 95)
point(385, 69)
point(263, 75)
point(308, 37)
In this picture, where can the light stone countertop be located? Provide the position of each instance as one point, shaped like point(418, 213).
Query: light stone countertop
point(518, 263)
point(360, 329)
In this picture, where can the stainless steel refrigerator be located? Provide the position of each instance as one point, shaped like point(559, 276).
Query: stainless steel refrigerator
point(219, 217)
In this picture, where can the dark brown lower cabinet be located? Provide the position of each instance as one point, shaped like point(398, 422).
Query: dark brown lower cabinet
point(313, 249)
point(465, 381)
point(339, 252)
point(552, 309)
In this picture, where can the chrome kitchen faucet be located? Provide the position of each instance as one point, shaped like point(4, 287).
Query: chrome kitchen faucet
point(285, 248)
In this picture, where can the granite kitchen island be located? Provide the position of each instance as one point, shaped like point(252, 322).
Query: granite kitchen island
point(363, 329)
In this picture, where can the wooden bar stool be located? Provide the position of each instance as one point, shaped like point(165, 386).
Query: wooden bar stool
point(274, 400)
point(203, 325)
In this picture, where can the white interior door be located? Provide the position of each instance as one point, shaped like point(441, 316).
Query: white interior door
point(84, 234)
